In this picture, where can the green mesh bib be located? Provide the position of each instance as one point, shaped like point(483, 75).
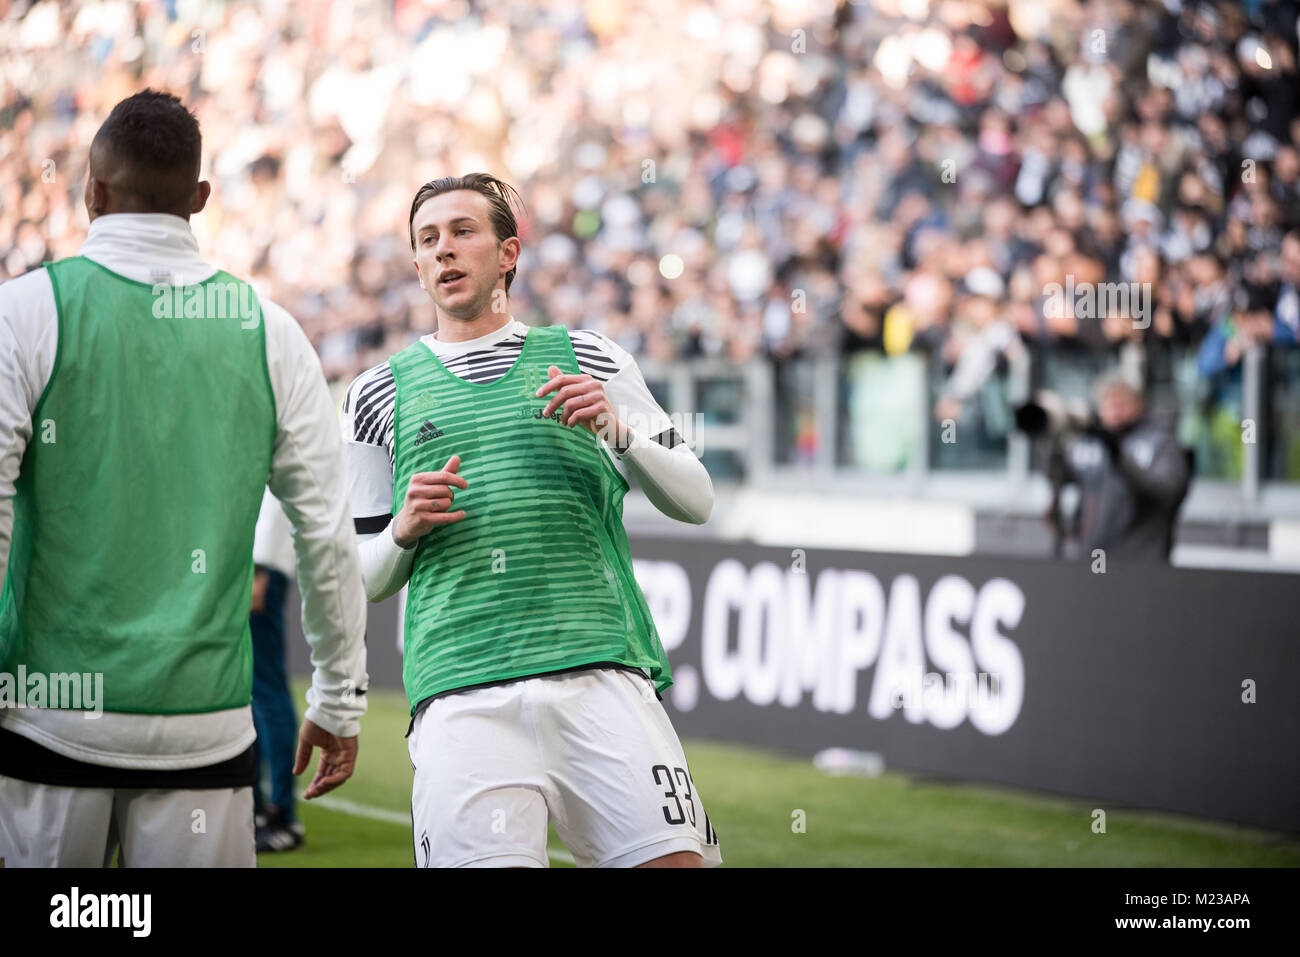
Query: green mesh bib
point(538, 576)
point(139, 491)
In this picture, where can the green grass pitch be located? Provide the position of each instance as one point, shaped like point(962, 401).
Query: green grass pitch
point(753, 797)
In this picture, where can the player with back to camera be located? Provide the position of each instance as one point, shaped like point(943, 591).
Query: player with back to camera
point(482, 471)
point(135, 446)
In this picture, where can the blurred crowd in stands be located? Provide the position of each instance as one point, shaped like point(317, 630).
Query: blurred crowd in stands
point(722, 178)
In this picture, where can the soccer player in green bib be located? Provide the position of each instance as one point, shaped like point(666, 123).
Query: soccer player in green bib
point(147, 401)
point(483, 478)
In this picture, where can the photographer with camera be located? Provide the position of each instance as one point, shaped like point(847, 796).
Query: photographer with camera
point(1131, 473)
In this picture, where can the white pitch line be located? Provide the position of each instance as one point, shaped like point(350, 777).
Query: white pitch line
point(344, 806)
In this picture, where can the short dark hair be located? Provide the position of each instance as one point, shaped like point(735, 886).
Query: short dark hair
point(155, 144)
point(496, 191)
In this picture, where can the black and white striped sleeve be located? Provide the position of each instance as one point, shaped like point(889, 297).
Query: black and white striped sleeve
point(663, 464)
point(598, 356)
point(603, 359)
point(367, 423)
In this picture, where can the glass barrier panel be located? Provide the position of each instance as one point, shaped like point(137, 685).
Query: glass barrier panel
point(796, 431)
point(883, 411)
point(975, 437)
point(1282, 457)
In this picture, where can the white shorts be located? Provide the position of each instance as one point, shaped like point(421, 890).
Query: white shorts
point(593, 749)
point(43, 825)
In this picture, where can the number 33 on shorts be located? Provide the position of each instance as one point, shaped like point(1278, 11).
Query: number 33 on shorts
point(674, 777)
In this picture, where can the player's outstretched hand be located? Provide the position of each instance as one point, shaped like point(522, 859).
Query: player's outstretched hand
point(338, 758)
point(585, 403)
point(428, 499)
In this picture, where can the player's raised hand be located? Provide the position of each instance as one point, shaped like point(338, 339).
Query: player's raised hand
point(428, 500)
point(338, 758)
point(584, 401)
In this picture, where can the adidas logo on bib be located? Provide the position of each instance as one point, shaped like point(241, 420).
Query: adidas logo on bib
point(427, 431)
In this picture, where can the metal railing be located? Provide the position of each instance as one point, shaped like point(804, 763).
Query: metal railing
point(864, 422)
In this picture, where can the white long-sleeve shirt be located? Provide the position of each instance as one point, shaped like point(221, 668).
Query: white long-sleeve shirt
point(273, 537)
point(307, 476)
point(666, 468)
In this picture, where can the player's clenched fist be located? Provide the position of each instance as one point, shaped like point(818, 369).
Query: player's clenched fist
point(428, 503)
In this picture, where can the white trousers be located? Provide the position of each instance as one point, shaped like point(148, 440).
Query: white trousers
point(43, 825)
